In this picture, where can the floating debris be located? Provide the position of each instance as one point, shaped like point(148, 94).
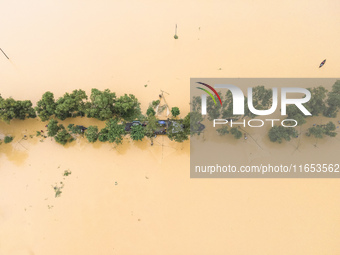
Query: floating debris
point(175, 36)
point(4, 53)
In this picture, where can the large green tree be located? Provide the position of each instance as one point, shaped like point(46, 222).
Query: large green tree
point(46, 106)
point(91, 133)
point(175, 111)
point(236, 133)
point(333, 101)
point(63, 137)
point(196, 104)
point(71, 105)
point(137, 132)
point(320, 131)
point(101, 105)
point(228, 109)
point(295, 113)
point(192, 123)
point(317, 103)
point(12, 109)
point(114, 131)
point(53, 127)
point(151, 126)
point(74, 129)
point(214, 110)
point(223, 130)
point(150, 112)
point(280, 133)
point(127, 107)
point(176, 131)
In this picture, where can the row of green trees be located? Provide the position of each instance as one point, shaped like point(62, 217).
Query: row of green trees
point(101, 105)
point(114, 131)
point(322, 102)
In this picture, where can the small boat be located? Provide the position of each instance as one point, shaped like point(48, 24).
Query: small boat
point(322, 63)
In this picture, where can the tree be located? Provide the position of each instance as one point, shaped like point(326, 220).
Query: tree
point(295, 113)
point(155, 103)
point(175, 111)
point(262, 98)
point(176, 132)
point(74, 129)
point(214, 110)
point(329, 129)
point(63, 137)
point(317, 104)
point(115, 131)
point(192, 123)
point(333, 101)
point(12, 109)
point(151, 126)
point(127, 107)
point(228, 109)
point(46, 106)
point(278, 133)
point(8, 139)
point(223, 130)
point(196, 104)
point(71, 105)
point(53, 127)
point(102, 104)
point(317, 132)
point(150, 111)
point(24, 110)
point(137, 132)
point(92, 134)
point(103, 135)
point(236, 133)
point(320, 130)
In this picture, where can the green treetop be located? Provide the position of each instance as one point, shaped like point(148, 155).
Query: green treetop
point(101, 105)
point(137, 132)
point(175, 111)
point(91, 133)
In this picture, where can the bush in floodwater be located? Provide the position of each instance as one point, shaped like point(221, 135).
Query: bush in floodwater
point(8, 139)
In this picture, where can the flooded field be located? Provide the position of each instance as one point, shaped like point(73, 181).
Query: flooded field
point(136, 198)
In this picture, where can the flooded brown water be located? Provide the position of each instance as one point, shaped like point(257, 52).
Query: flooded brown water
point(138, 199)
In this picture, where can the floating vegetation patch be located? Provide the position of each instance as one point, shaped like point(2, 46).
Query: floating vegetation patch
point(8, 139)
point(58, 189)
point(67, 173)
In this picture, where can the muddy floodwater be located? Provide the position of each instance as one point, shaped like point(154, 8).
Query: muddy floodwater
point(136, 198)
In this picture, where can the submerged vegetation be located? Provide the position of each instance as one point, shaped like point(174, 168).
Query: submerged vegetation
point(8, 139)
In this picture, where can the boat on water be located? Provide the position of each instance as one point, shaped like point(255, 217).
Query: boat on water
point(322, 63)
